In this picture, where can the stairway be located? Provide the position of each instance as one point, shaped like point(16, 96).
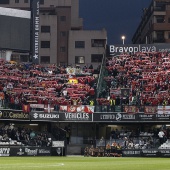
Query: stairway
point(73, 149)
point(134, 100)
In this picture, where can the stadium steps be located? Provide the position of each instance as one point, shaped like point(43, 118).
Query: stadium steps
point(73, 149)
point(134, 100)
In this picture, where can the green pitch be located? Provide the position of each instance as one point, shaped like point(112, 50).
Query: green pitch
point(83, 163)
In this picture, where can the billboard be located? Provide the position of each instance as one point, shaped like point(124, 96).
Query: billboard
point(138, 48)
point(15, 29)
point(125, 117)
point(8, 114)
point(57, 116)
point(35, 22)
point(7, 151)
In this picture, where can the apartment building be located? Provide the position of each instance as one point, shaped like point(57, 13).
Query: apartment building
point(155, 24)
point(58, 19)
point(87, 47)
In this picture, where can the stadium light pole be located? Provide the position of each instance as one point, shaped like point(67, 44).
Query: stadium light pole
point(123, 39)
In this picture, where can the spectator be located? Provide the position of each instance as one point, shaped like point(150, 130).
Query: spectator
point(108, 149)
point(161, 136)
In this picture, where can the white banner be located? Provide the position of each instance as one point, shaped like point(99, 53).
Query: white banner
point(40, 106)
point(57, 143)
point(163, 109)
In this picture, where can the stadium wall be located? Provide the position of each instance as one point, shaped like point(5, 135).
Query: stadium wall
point(14, 29)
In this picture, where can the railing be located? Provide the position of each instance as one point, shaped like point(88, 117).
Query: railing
point(137, 147)
point(135, 143)
point(159, 8)
point(141, 142)
point(24, 143)
point(148, 109)
point(101, 76)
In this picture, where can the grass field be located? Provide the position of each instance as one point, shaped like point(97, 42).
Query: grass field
point(83, 163)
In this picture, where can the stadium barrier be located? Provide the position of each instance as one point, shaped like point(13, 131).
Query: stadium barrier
point(24, 151)
point(101, 152)
point(157, 115)
point(146, 153)
point(31, 151)
point(7, 151)
point(14, 148)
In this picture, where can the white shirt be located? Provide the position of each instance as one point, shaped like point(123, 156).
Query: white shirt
point(161, 134)
point(65, 92)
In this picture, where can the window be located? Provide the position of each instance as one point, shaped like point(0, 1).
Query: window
point(96, 58)
point(169, 35)
point(16, 1)
point(63, 64)
point(160, 34)
point(24, 58)
point(79, 44)
point(63, 33)
point(62, 49)
point(150, 24)
point(159, 37)
point(160, 19)
point(160, 6)
point(4, 1)
point(168, 20)
point(45, 59)
point(3, 54)
point(62, 18)
point(45, 29)
point(25, 1)
point(97, 43)
point(45, 44)
point(41, 1)
point(15, 57)
point(79, 59)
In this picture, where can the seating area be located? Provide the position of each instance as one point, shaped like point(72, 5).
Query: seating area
point(101, 152)
point(134, 138)
point(11, 135)
point(165, 145)
point(137, 79)
point(132, 79)
point(30, 84)
point(140, 79)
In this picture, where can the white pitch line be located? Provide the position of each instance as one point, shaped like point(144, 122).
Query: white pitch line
point(8, 166)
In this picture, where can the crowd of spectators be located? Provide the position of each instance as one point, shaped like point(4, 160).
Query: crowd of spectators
point(12, 135)
point(146, 75)
point(27, 83)
point(125, 139)
point(136, 139)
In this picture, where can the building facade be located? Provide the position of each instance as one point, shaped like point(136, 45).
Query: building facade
point(155, 24)
point(58, 19)
point(86, 47)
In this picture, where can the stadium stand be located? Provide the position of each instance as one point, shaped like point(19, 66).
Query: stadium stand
point(140, 79)
point(27, 84)
point(10, 135)
point(145, 75)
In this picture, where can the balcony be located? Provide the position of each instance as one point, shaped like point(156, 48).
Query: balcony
point(159, 40)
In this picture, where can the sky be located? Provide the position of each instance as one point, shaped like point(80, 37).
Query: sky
point(118, 17)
